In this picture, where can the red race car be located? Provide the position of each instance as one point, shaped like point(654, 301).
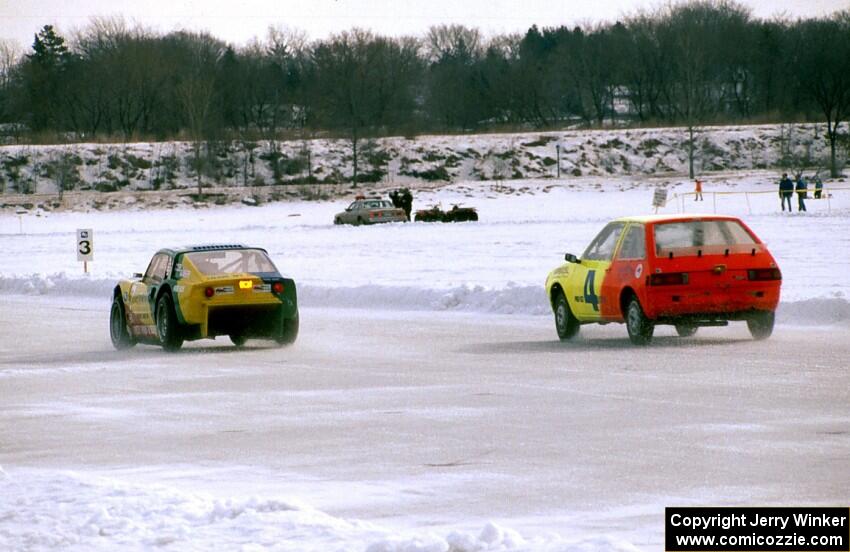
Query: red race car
point(684, 270)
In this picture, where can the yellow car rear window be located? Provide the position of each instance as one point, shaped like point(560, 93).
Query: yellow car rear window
point(233, 261)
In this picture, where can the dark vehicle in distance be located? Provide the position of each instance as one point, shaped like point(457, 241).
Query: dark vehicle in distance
point(455, 214)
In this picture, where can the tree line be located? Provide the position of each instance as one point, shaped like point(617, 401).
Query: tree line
point(693, 63)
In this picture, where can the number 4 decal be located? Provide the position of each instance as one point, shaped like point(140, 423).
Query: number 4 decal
point(589, 293)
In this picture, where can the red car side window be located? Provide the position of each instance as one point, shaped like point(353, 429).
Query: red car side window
point(602, 246)
point(634, 244)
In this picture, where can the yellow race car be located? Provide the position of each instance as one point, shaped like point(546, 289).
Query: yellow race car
point(202, 292)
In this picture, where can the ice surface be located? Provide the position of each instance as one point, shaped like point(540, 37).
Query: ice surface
point(403, 431)
point(383, 387)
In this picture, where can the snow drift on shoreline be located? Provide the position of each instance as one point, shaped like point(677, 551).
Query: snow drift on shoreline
point(49, 510)
point(513, 299)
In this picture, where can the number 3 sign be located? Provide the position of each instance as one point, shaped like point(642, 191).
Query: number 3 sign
point(85, 245)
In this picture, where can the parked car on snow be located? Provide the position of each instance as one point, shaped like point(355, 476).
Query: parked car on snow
point(201, 292)
point(455, 214)
point(684, 270)
point(370, 211)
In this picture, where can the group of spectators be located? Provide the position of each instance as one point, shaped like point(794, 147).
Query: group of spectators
point(787, 187)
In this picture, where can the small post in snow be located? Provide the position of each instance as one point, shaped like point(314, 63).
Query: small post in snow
point(659, 198)
point(558, 155)
point(20, 211)
point(85, 247)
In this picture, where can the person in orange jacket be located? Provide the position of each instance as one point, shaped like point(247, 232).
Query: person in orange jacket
point(697, 190)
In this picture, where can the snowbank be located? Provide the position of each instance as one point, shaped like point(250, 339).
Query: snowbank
point(49, 510)
point(57, 285)
point(512, 299)
point(527, 300)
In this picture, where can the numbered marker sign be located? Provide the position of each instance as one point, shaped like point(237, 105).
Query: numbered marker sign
point(85, 245)
point(659, 199)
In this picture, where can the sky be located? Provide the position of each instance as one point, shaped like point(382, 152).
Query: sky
point(238, 21)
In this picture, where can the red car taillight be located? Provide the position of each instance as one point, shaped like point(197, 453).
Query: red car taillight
point(764, 274)
point(277, 287)
point(669, 279)
point(209, 292)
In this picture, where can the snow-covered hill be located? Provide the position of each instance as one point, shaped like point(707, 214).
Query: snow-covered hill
point(317, 166)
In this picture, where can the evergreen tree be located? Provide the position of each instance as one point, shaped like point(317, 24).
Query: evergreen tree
point(43, 79)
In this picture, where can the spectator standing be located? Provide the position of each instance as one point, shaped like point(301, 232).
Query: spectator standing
point(801, 193)
point(407, 202)
point(395, 197)
point(786, 190)
point(818, 187)
point(697, 190)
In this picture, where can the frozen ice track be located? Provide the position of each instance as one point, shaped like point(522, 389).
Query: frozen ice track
point(389, 429)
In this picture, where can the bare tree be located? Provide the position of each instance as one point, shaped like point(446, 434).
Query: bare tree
point(823, 65)
point(196, 91)
point(693, 35)
point(643, 68)
point(537, 73)
point(121, 77)
point(592, 66)
point(286, 61)
point(285, 44)
point(11, 54)
point(450, 40)
point(363, 82)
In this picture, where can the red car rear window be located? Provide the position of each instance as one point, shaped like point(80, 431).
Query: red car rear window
point(706, 237)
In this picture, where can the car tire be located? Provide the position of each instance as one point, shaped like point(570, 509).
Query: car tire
point(118, 331)
point(166, 324)
point(238, 339)
point(640, 327)
point(337, 220)
point(288, 330)
point(566, 324)
point(686, 330)
point(761, 324)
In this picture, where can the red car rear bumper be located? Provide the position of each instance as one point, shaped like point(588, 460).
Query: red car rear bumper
point(676, 301)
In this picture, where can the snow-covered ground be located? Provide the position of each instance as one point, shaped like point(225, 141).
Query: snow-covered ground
point(391, 427)
point(495, 265)
point(398, 431)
